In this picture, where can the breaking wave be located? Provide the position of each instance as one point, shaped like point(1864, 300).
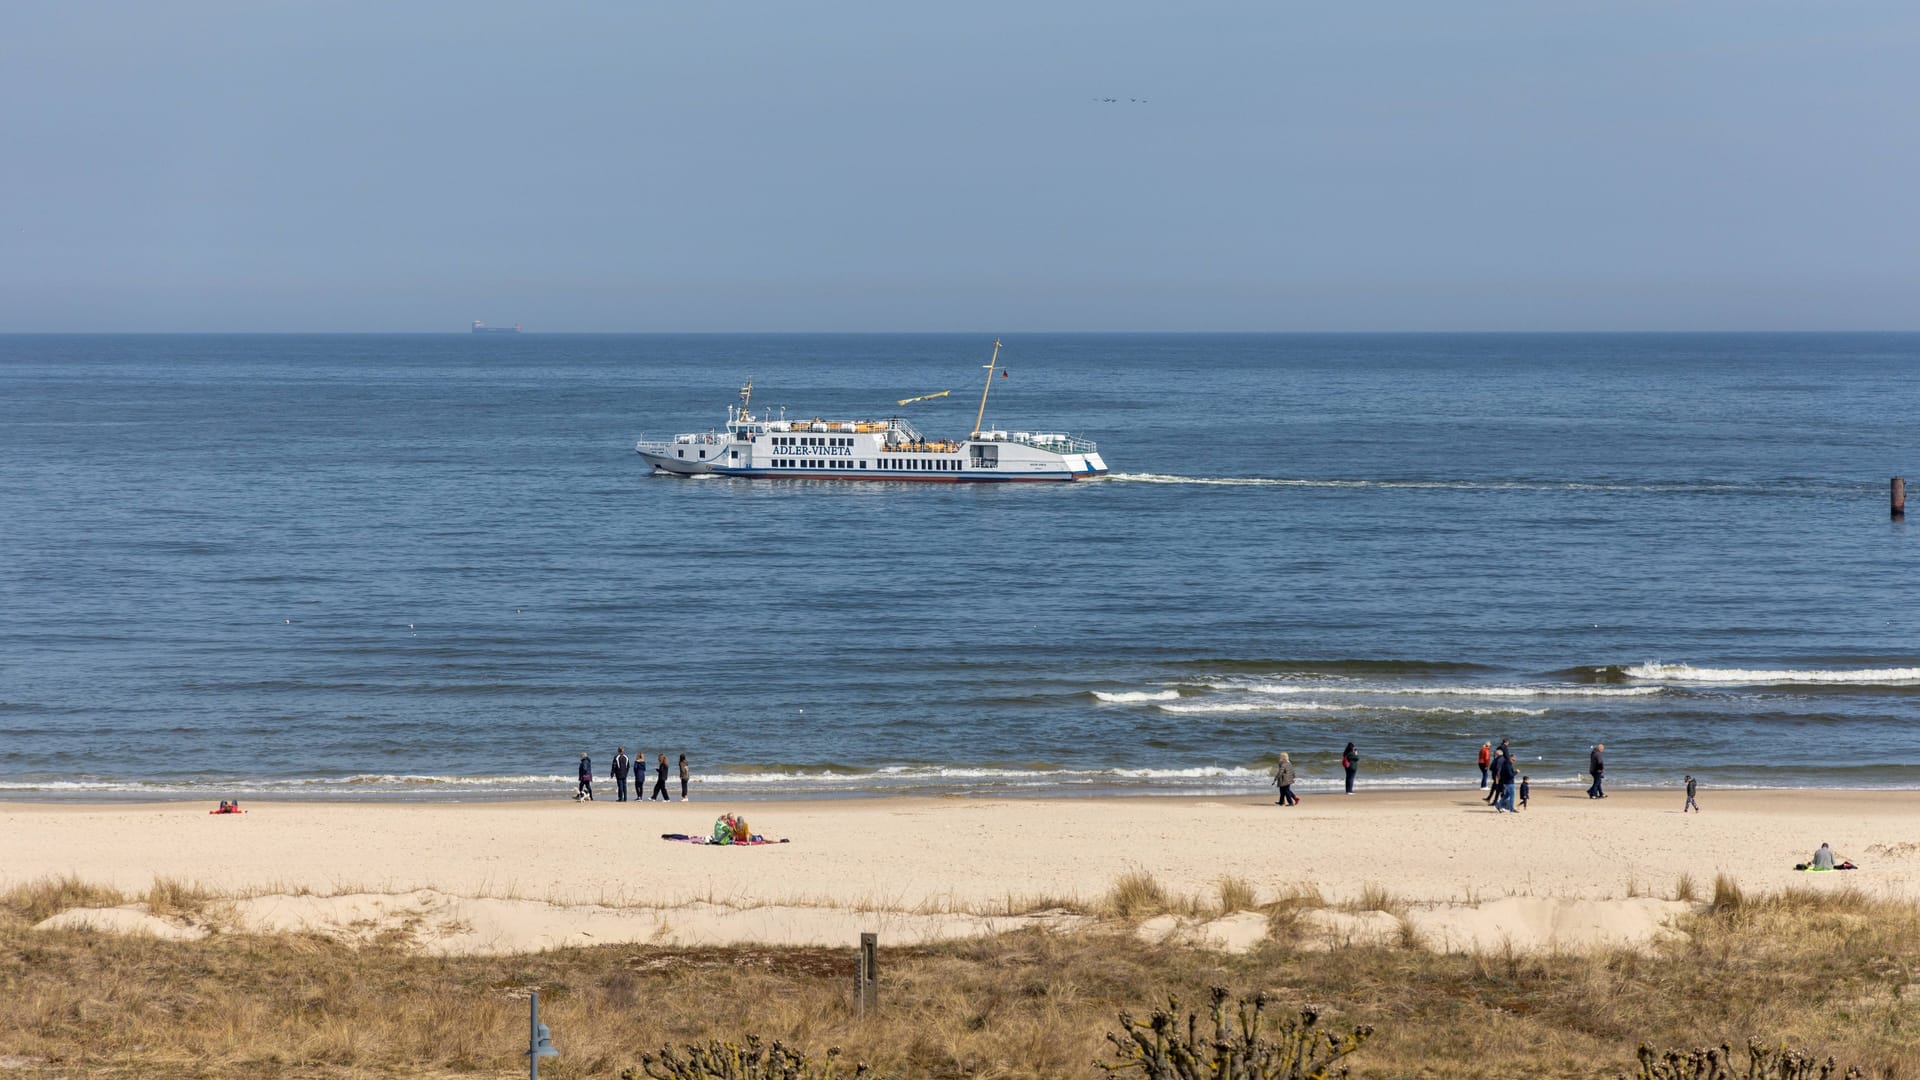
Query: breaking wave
point(1441, 691)
point(1203, 708)
point(1689, 673)
point(1133, 697)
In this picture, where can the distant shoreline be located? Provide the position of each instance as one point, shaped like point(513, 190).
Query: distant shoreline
point(214, 792)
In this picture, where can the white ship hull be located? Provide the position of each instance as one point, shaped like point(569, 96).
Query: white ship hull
point(803, 454)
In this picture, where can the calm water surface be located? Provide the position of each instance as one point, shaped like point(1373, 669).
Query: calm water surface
point(433, 565)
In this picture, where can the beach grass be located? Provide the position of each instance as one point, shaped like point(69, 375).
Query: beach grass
point(1832, 971)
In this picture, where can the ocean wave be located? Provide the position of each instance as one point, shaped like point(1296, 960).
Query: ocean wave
point(1342, 667)
point(1201, 708)
point(1689, 673)
point(1132, 697)
point(1369, 689)
point(299, 786)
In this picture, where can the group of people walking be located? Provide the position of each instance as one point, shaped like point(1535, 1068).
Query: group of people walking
point(622, 766)
point(1507, 790)
point(1498, 775)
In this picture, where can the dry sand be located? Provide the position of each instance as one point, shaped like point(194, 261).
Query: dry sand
point(494, 877)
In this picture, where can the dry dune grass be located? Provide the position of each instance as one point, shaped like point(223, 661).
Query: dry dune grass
point(1831, 971)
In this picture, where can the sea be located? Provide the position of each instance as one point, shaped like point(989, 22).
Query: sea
point(432, 566)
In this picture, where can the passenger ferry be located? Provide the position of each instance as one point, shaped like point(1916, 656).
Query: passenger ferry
point(760, 446)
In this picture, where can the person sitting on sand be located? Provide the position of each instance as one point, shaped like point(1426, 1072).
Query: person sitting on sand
point(1825, 859)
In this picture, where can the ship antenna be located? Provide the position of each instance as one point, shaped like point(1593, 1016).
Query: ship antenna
point(746, 394)
point(983, 390)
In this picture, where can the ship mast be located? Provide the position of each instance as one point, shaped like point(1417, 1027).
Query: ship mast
point(983, 391)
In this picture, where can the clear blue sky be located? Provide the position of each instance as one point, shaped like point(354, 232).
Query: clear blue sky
point(853, 165)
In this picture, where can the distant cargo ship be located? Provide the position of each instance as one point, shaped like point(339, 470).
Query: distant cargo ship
point(482, 328)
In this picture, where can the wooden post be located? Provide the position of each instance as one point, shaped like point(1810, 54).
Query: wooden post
point(865, 975)
point(1899, 498)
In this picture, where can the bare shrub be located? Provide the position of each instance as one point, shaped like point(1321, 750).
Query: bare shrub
point(1716, 1063)
point(731, 1061)
point(1239, 1048)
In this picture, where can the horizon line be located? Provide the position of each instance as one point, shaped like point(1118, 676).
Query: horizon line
point(928, 333)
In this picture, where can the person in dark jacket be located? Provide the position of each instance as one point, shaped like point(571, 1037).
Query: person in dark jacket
point(1350, 760)
point(620, 765)
point(1597, 765)
point(683, 778)
point(586, 779)
point(1525, 782)
point(1283, 778)
point(1503, 779)
point(1493, 790)
point(659, 782)
point(1692, 787)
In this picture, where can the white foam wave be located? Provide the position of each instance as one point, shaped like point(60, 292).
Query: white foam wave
point(1130, 697)
point(1344, 707)
point(1689, 673)
point(1416, 485)
point(1372, 689)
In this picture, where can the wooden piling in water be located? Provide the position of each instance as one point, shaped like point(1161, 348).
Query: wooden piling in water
point(1899, 497)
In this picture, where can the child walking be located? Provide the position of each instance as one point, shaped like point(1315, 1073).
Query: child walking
point(1525, 790)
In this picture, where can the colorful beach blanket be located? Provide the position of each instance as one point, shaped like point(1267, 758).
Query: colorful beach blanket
point(749, 842)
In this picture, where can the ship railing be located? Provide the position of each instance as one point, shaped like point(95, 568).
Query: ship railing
point(1054, 441)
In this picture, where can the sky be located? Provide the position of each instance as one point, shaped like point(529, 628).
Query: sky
point(849, 165)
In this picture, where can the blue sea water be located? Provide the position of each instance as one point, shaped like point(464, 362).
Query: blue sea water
point(433, 565)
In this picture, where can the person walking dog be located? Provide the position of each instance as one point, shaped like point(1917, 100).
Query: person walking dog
point(585, 790)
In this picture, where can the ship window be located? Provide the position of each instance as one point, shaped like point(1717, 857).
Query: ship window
point(703, 455)
point(863, 464)
point(682, 453)
point(736, 455)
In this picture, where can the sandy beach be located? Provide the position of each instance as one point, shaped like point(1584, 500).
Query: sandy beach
point(504, 876)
